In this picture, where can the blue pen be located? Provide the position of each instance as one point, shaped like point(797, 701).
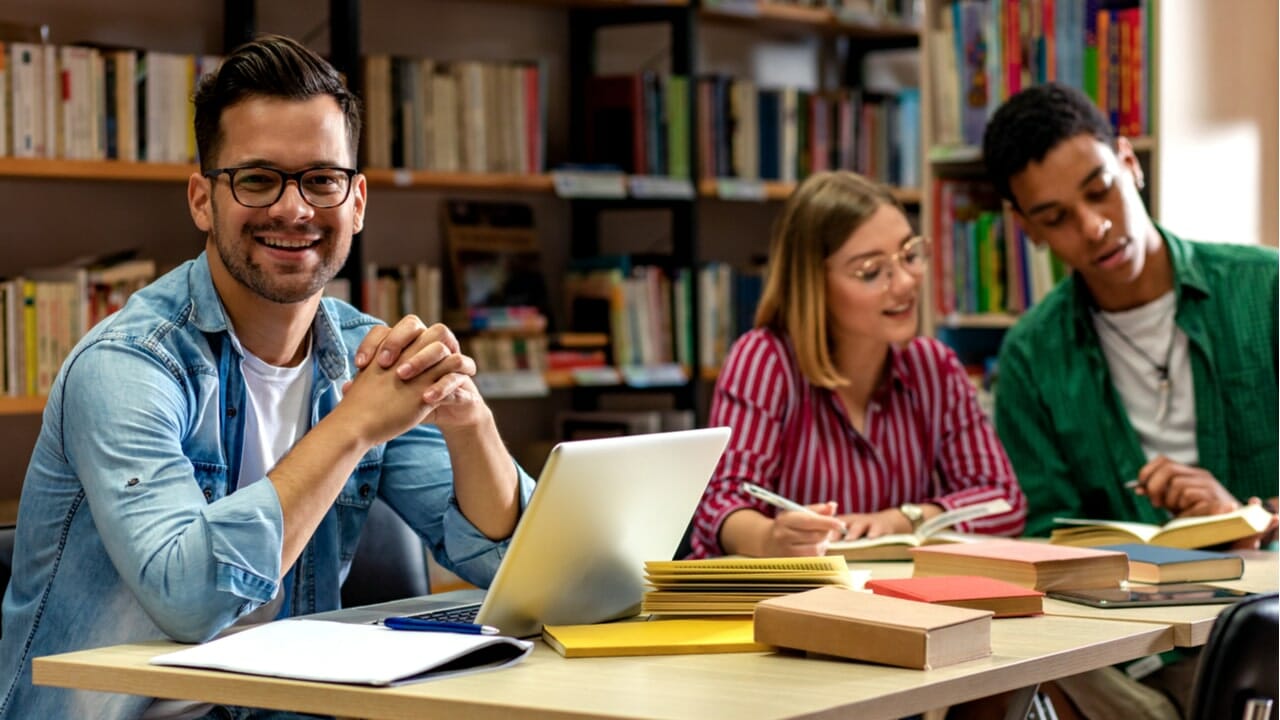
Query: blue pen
point(421, 625)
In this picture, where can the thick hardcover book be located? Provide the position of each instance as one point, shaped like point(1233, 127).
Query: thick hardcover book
point(1187, 532)
point(874, 628)
point(1035, 565)
point(1155, 564)
point(968, 591)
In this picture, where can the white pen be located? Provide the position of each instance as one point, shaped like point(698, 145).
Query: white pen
point(780, 502)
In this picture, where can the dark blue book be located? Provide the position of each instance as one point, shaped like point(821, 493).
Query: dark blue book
point(1157, 564)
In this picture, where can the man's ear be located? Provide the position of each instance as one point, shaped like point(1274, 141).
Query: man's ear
point(360, 193)
point(199, 201)
point(1128, 158)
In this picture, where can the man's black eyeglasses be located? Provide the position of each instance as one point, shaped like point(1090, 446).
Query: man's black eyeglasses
point(259, 187)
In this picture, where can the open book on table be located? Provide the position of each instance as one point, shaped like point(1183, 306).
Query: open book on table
point(933, 530)
point(345, 653)
point(1188, 532)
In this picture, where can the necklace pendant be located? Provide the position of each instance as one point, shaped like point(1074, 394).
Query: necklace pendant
point(1162, 406)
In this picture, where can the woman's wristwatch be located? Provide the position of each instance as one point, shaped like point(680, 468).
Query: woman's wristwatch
point(914, 514)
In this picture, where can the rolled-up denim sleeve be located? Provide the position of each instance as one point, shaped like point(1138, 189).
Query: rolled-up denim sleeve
point(417, 482)
point(194, 566)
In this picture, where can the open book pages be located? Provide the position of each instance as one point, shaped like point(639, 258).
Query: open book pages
point(345, 653)
point(1187, 533)
point(733, 585)
point(933, 530)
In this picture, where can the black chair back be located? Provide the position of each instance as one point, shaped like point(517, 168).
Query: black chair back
point(390, 563)
point(6, 557)
point(1237, 677)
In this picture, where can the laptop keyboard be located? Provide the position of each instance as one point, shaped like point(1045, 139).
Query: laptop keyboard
point(464, 614)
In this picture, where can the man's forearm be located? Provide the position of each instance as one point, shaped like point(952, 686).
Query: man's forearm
point(309, 478)
point(485, 480)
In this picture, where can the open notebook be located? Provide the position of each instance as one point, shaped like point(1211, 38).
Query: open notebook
point(343, 653)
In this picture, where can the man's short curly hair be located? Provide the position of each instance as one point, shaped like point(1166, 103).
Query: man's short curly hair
point(1031, 123)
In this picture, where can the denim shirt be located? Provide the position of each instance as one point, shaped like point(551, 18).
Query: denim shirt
point(129, 529)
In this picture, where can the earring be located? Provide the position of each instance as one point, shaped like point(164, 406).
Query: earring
point(1139, 182)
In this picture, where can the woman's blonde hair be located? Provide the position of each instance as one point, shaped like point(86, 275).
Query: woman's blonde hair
point(816, 221)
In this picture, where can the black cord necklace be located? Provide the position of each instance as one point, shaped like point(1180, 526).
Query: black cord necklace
point(1165, 383)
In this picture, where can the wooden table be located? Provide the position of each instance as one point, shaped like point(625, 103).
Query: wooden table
point(1027, 651)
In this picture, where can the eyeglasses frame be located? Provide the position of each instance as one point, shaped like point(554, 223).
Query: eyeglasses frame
point(285, 177)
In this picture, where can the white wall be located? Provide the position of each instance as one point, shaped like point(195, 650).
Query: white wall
point(1216, 123)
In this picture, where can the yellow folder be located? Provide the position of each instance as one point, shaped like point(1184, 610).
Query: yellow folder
point(654, 637)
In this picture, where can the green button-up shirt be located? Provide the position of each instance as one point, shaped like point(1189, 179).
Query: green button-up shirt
point(1063, 423)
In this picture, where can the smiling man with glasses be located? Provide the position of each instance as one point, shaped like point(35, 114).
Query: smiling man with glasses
point(835, 401)
point(210, 453)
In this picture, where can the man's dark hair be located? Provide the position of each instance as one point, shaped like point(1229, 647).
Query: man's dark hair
point(270, 66)
point(1031, 123)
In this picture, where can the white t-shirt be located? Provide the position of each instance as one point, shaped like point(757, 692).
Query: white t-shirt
point(1137, 380)
point(276, 416)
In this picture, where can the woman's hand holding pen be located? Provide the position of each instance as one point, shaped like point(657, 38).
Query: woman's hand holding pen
point(793, 533)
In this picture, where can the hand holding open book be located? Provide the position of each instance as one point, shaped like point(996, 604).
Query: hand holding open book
point(1187, 532)
point(897, 546)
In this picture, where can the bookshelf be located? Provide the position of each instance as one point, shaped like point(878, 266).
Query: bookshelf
point(951, 160)
point(70, 208)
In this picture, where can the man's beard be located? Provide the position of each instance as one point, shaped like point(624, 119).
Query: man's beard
point(238, 259)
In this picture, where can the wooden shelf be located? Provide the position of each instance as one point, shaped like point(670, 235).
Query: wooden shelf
point(775, 190)
point(55, 169)
point(809, 19)
point(424, 179)
point(595, 3)
point(972, 155)
point(26, 405)
point(986, 320)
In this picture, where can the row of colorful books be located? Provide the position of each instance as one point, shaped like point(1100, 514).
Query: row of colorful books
point(467, 116)
point(647, 311)
point(785, 134)
point(44, 312)
point(999, 47)
point(96, 103)
point(983, 262)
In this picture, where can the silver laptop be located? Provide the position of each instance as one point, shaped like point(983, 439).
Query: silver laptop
point(601, 509)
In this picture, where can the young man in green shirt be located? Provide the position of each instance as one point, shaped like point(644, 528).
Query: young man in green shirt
point(1156, 361)
point(1144, 386)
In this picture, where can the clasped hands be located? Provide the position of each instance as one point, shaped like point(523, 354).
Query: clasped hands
point(408, 373)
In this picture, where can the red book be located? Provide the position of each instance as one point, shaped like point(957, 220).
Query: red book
point(1036, 565)
point(968, 591)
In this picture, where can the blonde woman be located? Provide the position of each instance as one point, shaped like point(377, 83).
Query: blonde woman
point(834, 400)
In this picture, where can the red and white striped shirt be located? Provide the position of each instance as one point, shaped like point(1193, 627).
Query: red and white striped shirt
point(926, 440)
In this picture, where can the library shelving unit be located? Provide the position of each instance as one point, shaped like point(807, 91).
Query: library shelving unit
point(1074, 45)
point(345, 29)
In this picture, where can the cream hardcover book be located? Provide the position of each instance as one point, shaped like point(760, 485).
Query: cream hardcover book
point(874, 628)
point(1188, 533)
point(934, 530)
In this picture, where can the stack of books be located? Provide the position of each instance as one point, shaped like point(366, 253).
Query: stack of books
point(733, 586)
